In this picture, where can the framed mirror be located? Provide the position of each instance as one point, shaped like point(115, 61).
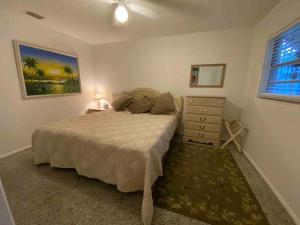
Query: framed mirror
point(207, 75)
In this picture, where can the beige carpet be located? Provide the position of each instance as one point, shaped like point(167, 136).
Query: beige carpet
point(41, 195)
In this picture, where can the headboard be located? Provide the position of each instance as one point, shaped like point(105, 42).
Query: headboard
point(150, 93)
point(142, 92)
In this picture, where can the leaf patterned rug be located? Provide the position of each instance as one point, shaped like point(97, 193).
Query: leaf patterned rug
point(206, 184)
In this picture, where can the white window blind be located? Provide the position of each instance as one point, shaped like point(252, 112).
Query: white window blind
point(281, 76)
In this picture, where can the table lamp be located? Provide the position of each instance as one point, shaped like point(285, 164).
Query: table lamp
point(98, 98)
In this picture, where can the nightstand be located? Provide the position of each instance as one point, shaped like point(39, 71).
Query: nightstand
point(93, 110)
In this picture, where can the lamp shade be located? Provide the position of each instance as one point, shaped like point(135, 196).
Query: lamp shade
point(98, 96)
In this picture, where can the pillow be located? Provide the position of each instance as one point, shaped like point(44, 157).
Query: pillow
point(163, 104)
point(141, 105)
point(122, 101)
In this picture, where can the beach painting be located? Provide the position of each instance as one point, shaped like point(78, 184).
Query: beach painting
point(46, 73)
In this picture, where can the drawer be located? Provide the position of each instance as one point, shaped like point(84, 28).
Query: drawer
point(202, 134)
point(218, 102)
point(191, 140)
point(203, 119)
point(205, 110)
point(203, 127)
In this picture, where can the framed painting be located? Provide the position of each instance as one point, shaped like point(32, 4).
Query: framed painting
point(46, 73)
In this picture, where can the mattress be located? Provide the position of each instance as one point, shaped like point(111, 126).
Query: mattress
point(116, 147)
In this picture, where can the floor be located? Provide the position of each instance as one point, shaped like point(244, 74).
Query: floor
point(41, 195)
point(273, 209)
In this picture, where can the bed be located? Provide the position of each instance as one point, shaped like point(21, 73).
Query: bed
point(118, 148)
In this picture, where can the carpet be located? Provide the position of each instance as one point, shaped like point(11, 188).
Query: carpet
point(41, 195)
point(206, 184)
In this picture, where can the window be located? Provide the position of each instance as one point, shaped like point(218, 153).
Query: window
point(281, 75)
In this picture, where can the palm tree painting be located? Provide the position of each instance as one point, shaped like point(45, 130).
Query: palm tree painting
point(45, 72)
point(31, 64)
point(40, 73)
point(69, 72)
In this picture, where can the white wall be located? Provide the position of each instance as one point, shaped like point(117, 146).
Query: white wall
point(164, 63)
point(18, 118)
point(273, 141)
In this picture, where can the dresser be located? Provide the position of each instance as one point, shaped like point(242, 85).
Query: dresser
point(203, 119)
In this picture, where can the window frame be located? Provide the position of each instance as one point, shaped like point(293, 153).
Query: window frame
point(267, 66)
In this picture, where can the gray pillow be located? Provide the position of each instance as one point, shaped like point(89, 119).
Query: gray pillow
point(141, 105)
point(163, 104)
point(122, 101)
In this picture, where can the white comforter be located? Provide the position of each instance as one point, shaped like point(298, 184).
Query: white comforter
point(116, 147)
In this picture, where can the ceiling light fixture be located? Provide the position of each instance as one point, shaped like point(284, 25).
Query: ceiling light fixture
point(121, 13)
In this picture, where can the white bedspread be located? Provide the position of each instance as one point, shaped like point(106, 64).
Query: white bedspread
point(116, 147)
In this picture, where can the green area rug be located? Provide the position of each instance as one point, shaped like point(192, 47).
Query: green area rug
point(206, 184)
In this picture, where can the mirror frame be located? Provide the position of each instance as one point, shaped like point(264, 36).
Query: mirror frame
point(208, 86)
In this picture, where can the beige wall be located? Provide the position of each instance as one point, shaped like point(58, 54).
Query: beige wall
point(164, 64)
point(273, 141)
point(18, 118)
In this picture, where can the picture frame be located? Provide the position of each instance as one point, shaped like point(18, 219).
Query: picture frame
point(207, 75)
point(44, 72)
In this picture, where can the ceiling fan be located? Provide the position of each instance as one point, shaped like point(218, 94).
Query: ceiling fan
point(123, 6)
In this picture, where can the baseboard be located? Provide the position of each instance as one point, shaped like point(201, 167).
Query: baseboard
point(274, 190)
point(15, 151)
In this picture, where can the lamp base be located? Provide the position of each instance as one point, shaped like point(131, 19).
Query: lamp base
point(100, 105)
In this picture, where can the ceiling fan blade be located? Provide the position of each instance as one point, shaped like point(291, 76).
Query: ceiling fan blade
point(142, 10)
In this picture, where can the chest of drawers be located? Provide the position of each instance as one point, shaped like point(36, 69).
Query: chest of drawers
point(203, 119)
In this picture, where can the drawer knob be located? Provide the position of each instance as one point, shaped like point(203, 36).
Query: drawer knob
point(205, 110)
point(202, 119)
point(201, 135)
point(202, 127)
point(219, 102)
point(191, 101)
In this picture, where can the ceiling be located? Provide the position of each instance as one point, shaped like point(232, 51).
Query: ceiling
point(91, 20)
